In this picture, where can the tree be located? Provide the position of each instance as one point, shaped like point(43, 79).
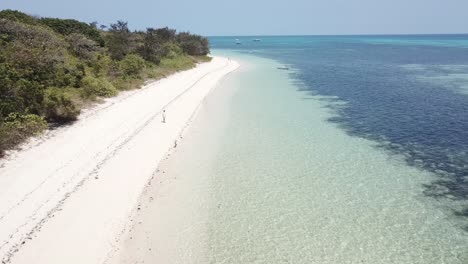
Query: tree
point(132, 65)
point(118, 40)
point(193, 44)
point(69, 26)
point(17, 16)
point(32, 58)
point(152, 49)
point(81, 46)
point(49, 67)
point(165, 34)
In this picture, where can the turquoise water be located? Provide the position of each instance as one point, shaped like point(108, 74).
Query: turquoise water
point(287, 186)
point(263, 176)
point(406, 93)
point(357, 154)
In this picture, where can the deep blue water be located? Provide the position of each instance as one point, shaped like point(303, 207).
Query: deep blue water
point(408, 93)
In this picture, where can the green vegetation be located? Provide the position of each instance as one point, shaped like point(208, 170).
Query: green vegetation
point(50, 67)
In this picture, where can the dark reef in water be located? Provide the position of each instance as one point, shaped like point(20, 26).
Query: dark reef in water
point(393, 95)
point(425, 122)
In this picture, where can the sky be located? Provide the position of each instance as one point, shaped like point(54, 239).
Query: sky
point(264, 17)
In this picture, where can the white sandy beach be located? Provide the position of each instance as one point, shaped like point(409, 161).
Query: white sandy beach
point(69, 198)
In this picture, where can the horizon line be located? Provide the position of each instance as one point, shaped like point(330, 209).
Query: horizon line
point(343, 35)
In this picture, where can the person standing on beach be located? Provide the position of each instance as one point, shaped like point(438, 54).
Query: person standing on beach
point(164, 116)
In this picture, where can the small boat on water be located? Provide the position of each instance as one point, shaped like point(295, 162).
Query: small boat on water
point(283, 68)
point(257, 40)
point(238, 42)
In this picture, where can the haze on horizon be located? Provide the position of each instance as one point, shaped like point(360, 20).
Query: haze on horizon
point(264, 17)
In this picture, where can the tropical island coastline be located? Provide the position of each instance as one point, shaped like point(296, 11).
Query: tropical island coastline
point(79, 186)
point(297, 132)
point(52, 68)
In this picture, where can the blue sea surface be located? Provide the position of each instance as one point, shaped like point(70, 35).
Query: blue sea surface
point(408, 93)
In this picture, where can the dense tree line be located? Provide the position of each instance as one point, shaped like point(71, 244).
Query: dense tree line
point(50, 67)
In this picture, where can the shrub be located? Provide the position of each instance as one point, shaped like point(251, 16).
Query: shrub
point(81, 46)
point(118, 40)
point(165, 34)
point(151, 49)
point(17, 16)
point(49, 67)
point(101, 65)
point(69, 26)
point(9, 101)
point(178, 63)
point(34, 52)
point(58, 106)
point(193, 44)
point(155, 44)
point(94, 87)
point(16, 128)
point(127, 84)
point(173, 50)
point(132, 65)
point(30, 94)
point(69, 75)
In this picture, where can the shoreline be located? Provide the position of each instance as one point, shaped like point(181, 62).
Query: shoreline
point(68, 198)
point(169, 225)
point(273, 179)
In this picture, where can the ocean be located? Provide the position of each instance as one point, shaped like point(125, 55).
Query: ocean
point(356, 153)
point(406, 93)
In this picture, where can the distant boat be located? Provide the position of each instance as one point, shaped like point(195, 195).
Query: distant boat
point(238, 42)
point(257, 40)
point(283, 68)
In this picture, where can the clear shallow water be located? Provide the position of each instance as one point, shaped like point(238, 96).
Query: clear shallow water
point(358, 155)
point(329, 194)
point(264, 177)
point(288, 186)
point(407, 93)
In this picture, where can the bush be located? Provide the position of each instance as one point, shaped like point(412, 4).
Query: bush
point(50, 67)
point(101, 65)
point(69, 75)
point(118, 40)
point(69, 26)
point(9, 101)
point(173, 50)
point(16, 128)
point(58, 106)
point(155, 44)
point(132, 65)
point(193, 44)
point(17, 16)
point(165, 34)
point(34, 52)
point(151, 49)
point(81, 46)
point(178, 63)
point(94, 87)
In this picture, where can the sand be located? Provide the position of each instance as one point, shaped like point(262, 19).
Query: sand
point(69, 198)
